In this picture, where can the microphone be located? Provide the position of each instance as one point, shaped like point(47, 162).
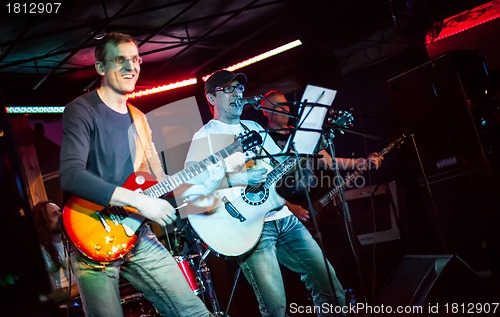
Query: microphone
point(248, 101)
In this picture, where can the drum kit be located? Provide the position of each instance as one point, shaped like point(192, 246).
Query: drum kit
point(186, 265)
point(193, 266)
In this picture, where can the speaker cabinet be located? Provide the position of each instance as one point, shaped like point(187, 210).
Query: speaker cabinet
point(435, 281)
point(463, 213)
point(443, 103)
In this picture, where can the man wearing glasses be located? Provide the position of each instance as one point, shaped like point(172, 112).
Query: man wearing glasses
point(104, 141)
point(279, 130)
point(284, 239)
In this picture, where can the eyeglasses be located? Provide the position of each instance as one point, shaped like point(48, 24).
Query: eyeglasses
point(229, 88)
point(120, 60)
point(282, 108)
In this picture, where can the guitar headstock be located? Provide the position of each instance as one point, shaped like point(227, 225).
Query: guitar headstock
point(250, 139)
point(340, 119)
point(336, 120)
point(394, 144)
point(400, 140)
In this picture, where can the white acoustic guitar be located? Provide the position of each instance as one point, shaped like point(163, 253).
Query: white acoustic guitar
point(234, 225)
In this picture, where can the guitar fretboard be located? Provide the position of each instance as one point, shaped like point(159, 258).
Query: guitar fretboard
point(277, 173)
point(349, 179)
point(179, 178)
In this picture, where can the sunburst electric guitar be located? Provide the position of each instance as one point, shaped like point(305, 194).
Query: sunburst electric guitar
point(348, 180)
point(105, 234)
point(233, 227)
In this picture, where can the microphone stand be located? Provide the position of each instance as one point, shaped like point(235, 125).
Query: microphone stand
point(338, 182)
point(290, 150)
point(351, 131)
point(291, 129)
point(283, 113)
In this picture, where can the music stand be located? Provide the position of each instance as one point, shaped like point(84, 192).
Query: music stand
point(311, 116)
point(304, 138)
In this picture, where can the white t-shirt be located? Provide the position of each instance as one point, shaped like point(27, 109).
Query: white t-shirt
point(221, 135)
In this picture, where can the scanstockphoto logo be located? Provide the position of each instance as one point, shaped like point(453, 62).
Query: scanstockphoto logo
point(304, 177)
point(172, 127)
point(324, 181)
point(312, 181)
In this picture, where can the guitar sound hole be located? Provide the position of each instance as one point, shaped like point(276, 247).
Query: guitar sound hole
point(255, 195)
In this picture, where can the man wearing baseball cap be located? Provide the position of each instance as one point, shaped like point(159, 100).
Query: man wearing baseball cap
point(221, 79)
point(284, 239)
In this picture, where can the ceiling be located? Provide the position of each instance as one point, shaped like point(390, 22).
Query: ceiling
point(49, 57)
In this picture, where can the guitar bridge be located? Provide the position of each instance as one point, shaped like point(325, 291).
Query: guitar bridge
point(232, 210)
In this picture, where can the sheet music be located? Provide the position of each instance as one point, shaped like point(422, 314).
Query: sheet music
point(312, 118)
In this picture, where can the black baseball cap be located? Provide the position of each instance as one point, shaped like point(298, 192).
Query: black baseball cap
point(223, 78)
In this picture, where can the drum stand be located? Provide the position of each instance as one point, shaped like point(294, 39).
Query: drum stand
point(204, 271)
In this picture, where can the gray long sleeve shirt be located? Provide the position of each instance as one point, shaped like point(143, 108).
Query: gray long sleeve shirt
point(101, 148)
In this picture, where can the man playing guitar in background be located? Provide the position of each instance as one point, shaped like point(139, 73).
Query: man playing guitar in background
point(280, 131)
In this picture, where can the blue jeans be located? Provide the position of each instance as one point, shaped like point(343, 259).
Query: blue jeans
point(286, 241)
point(150, 268)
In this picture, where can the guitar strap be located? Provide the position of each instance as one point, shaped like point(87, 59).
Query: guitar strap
point(140, 140)
point(274, 162)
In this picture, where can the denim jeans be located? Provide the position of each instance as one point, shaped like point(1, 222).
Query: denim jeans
point(286, 241)
point(150, 268)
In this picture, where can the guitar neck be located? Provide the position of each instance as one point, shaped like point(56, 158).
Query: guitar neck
point(349, 179)
point(179, 178)
point(277, 173)
point(344, 120)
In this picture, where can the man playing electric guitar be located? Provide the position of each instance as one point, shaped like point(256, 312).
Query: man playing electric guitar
point(104, 141)
point(284, 239)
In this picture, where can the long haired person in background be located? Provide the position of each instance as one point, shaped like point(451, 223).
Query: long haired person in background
point(47, 219)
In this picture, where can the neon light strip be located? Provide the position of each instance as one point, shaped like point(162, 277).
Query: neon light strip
point(193, 81)
point(150, 91)
point(260, 57)
point(136, 94)
point(163, 88)
point(34, 109)
point(466, 20)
